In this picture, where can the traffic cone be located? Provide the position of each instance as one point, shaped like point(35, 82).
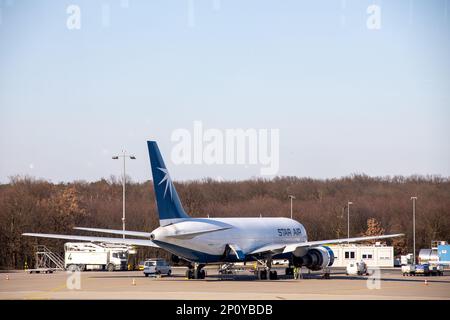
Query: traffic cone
point(7, 277)
point(134, 282)
point(426, 282)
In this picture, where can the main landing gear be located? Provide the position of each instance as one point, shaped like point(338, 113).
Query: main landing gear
point(264, 273)
point(196, 272)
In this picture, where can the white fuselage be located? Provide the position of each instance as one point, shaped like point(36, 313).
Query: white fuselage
point(247, 234)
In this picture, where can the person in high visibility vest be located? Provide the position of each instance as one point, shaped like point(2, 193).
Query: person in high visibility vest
point(25, 267)
point(296, 273)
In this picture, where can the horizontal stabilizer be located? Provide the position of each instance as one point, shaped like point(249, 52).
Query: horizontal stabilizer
point(131, 242)
point(121, 232)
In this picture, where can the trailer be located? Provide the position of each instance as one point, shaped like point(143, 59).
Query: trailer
point(42, 270)
point(84, 256)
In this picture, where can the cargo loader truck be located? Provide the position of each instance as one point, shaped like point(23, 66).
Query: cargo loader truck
point(86, 256)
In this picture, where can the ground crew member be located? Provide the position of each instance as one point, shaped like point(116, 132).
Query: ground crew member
point(295, 273)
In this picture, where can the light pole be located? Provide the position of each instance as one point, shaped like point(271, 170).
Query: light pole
point(348, 220)
point(414, 228)
point(292, 198)
point(124, 155)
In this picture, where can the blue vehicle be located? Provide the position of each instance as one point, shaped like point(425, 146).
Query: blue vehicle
point(422, 269)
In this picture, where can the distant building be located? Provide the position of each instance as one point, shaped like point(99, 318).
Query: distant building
point(373, 255)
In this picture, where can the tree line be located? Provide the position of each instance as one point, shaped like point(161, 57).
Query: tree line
point(380, 205)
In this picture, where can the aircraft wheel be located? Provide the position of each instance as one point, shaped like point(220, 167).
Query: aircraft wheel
point(273, 275)
point(289, 271)
point(190, 274)
point(262, 274)
point(72, 268)
point(199, 274)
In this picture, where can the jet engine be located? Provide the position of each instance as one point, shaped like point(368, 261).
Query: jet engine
point(315, 258)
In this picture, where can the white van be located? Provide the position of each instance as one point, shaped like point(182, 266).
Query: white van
point(157, 267)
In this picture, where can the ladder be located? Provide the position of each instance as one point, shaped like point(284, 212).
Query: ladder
point(46, 259)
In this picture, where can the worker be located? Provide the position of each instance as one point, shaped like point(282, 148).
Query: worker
point(296, 273)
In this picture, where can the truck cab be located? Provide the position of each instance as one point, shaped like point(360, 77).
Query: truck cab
point(119, 259)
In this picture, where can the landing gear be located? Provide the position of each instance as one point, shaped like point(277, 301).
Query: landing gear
point(326, 273)
point(273, 275)
point(196, 272)
point(265, 273)
point(289, 271)
point(262, 274)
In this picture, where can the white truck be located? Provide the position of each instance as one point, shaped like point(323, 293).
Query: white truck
point(84, 256)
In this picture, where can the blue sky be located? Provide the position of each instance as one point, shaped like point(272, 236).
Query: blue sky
point(346, 99)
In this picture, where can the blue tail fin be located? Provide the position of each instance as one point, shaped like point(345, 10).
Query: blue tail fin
point(167, 200)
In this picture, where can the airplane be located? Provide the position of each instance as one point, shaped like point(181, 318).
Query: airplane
point(202, 241)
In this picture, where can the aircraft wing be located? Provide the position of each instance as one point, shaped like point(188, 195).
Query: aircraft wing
point(292, 247)
point(284, 248)
point(112, 231)
point(135, 242)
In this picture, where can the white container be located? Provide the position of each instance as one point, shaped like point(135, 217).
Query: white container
point(356, 268)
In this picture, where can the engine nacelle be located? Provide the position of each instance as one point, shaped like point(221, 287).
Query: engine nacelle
point(315, 259)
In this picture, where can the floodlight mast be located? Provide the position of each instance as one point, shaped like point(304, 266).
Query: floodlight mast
point(124, 155)
point(292, 198)
point(348, 220)
point(414, 228)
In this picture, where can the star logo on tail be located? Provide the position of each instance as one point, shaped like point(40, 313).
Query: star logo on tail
point(168, 181)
